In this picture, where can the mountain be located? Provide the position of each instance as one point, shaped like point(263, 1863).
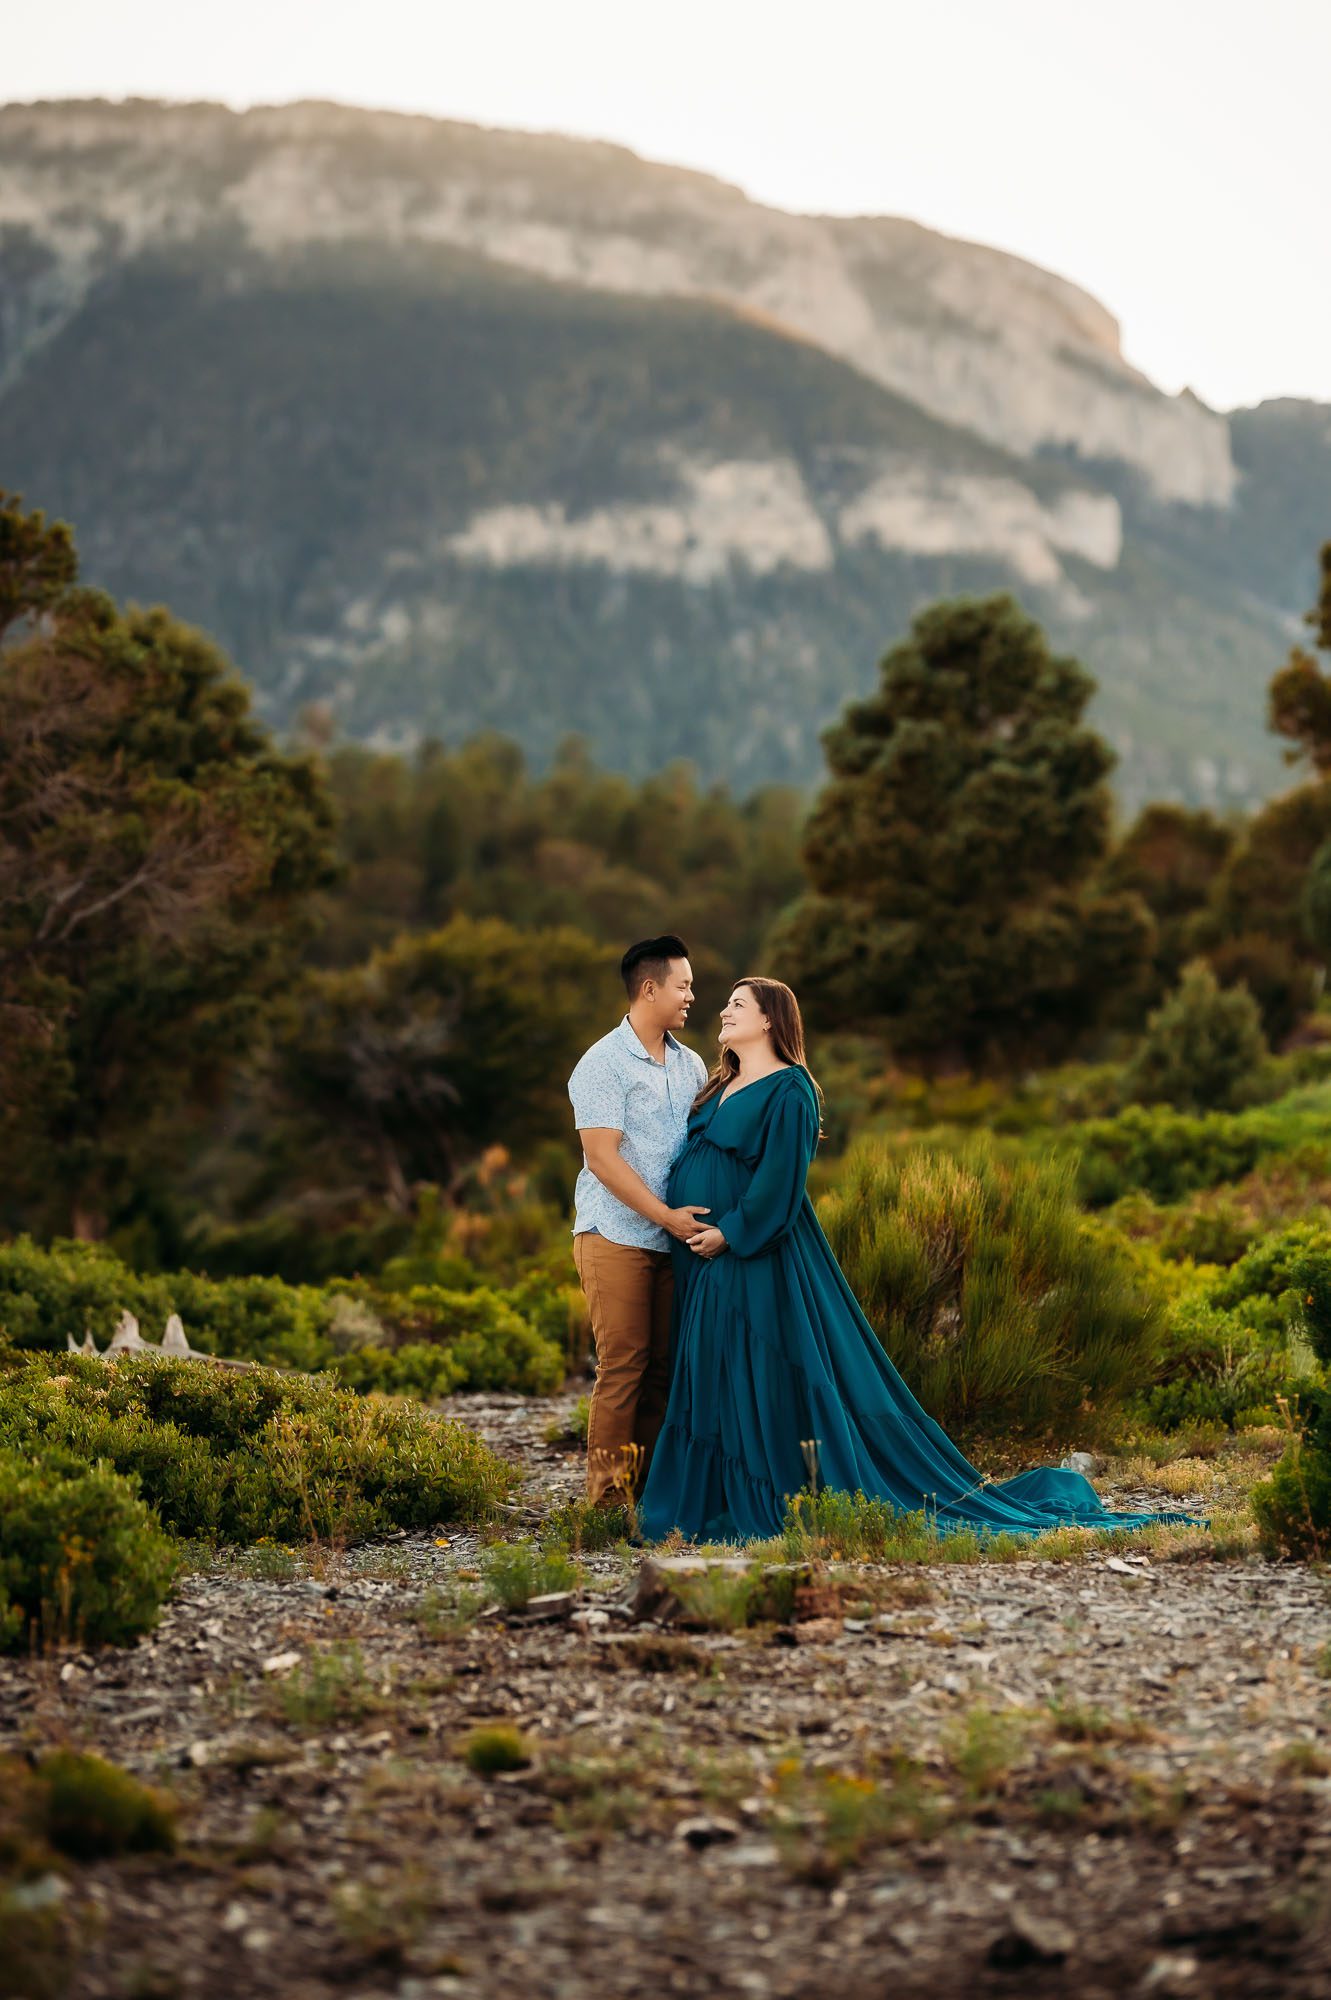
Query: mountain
point(451, 428)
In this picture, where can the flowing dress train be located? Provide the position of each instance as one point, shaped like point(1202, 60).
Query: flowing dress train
point(770, 1348)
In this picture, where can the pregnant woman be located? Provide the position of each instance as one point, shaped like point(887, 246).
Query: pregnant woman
point(770, 1346)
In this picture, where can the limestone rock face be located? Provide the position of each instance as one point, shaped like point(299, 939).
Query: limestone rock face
point(440, 428)
point(978, 338)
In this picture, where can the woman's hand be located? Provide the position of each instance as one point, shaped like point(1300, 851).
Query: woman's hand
point(707, 1243)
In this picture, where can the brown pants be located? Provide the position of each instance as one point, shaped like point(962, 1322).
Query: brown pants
point(629, 1293)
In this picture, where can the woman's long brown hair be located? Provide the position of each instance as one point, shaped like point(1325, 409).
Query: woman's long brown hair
point(782, 1009)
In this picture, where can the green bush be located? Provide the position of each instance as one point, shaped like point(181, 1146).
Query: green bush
point(78, 1288)
point(1267, 1280)
point(497, 1747)
point(1216, 1234)
point(492, 1346)
point(1002, 1308)
point(1293, 1507)
point(418, 1369)
point(82, 1560)
point(1213, 1368)
point(1167, 1153)
point(1203, 1049)
point(482, 1337)
point(1171, 1154)
point(233, 1457)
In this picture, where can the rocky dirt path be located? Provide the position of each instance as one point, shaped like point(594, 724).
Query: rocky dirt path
point(1093, 1777)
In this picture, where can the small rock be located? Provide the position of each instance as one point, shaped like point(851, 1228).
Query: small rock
point(550, 1608)
point(1030, 1939)
point(281, 1663)
point(817, 1631)
point(198, 1754)
point(1173, 1974)
point(1085, 1462)
point(43, 1894)
point(706, 1832)
point(753, 1854)
point(654, 1595)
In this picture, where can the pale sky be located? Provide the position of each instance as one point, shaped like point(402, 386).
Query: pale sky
point(1172, 156)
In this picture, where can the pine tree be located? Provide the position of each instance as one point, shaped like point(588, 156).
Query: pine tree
point(951, 856)
point(157, 853)
point(1299, 704)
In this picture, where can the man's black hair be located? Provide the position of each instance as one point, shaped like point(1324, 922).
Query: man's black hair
point(650, 960)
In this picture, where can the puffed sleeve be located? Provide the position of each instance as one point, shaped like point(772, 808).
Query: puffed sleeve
point(768, 1207)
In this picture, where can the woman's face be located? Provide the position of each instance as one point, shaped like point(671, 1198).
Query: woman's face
point(743, 1022)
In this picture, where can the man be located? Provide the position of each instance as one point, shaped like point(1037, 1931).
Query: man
point(631, 1096)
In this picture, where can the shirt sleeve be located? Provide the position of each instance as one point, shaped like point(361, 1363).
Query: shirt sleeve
point(597, 1095)
point(767, 1210)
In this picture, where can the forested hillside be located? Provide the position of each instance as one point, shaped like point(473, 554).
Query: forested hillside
point(451, 430)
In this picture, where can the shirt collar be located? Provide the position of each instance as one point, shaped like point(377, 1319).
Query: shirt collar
point(635, 1047)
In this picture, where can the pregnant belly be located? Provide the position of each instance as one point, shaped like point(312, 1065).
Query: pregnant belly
point(705, 1174)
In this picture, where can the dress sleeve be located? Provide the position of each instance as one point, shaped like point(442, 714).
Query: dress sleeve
point(767, 1209)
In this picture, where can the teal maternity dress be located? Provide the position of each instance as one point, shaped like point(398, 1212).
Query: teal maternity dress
point(770, 1348)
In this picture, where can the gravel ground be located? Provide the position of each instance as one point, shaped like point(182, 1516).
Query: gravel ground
point(1100, 1777)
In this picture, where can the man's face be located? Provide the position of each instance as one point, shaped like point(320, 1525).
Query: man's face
point(673, 997)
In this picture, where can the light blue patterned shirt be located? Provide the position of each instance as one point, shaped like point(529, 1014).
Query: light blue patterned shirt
point(617, 1085)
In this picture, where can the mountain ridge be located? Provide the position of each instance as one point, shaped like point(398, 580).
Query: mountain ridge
point(374, 397)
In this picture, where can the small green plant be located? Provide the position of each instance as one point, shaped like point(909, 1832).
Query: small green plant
point(1060, 1805)
point(330, 1686)
point(515, 1572)
point(826, 1820)
point(40, 1946)
point(444, 1611)
point(726, 1599)
point(90, 1808)
point(1077, 1723)
point(983, 1750)
point(655, 1653)
point(381, 1921)
point(573, 1428)
point(1302, 1759)
point(496, 1747)
point(718, 1600)
point(597, 1794)
point(269, 1562)
point(584, 1529)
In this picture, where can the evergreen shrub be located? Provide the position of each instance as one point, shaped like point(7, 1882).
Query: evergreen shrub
point(83, 1561)
point(233, 1457)
point(1203, 1049)
point(1293, 1507)
point(484, 1338)
point(1004, 1310)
